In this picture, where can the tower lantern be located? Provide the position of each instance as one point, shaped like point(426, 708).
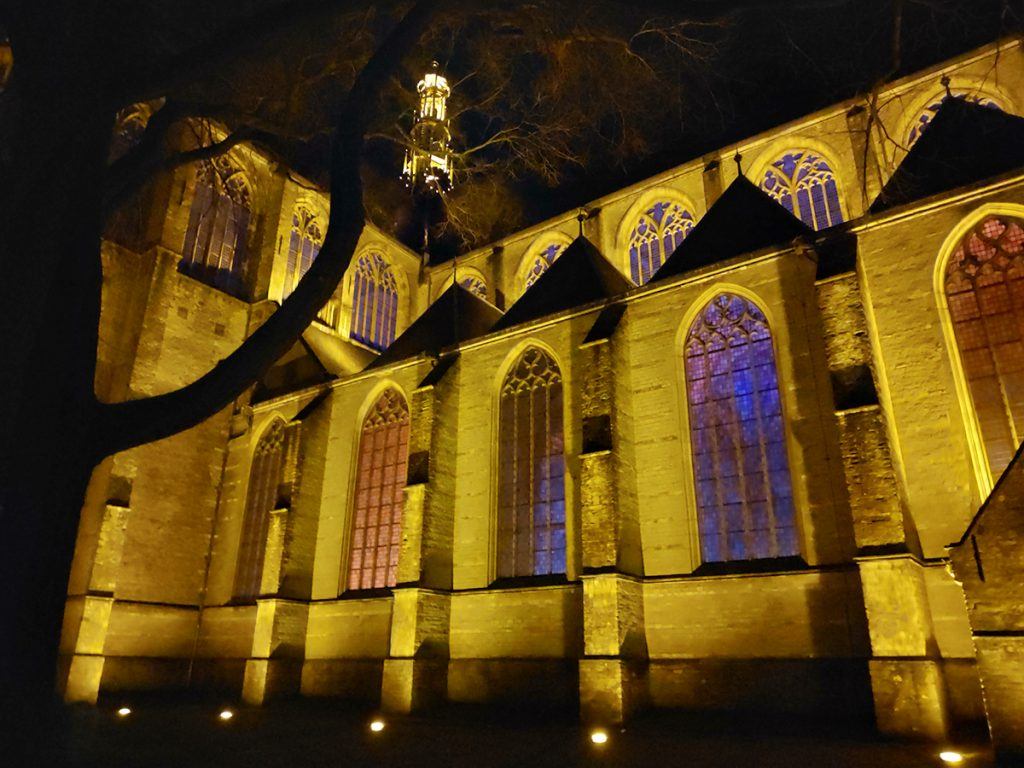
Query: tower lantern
point(428, 161)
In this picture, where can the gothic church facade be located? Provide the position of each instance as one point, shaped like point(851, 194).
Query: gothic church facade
point(701, 444)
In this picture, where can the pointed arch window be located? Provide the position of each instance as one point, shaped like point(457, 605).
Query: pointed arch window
point(805, 185)
point(984, 287)
point(531, 492)
point(740, 464)
point(129, 125)
point(374, 301)
point(475, 285)
point(658, 232)
point(542, 259)
point(924, 119)
point(380, 480)
point(215, 241)
point(303, 247)
point(270, 480)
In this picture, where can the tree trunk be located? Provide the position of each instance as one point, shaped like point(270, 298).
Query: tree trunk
point(58, 131)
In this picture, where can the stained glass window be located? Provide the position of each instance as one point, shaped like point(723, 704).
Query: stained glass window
point(475, 285)
point(542, 259)
point(268, 490)
point(660, 230)
point(531, 494)
point(984, 285)
point(374, 301)
point(215, 241)
point(380, 480)
point(925, 118)
point(804, 184)
point(741, 469)
point(303, 247)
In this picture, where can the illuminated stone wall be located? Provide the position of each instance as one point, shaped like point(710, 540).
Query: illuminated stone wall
point(879, 443)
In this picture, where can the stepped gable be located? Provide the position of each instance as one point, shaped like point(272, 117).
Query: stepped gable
point(580, 275)
point(964, 143)
point(300, 367)
point(456, 316)
point(743, 220)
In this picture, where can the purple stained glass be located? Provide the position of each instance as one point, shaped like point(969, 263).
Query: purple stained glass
point(303, 247)
point(531, 475)
point(658, 232)
point(804, 184)
point(740, 464)
point(544, 258)
point(374, 301)
point(475, 285)
point(926, 117)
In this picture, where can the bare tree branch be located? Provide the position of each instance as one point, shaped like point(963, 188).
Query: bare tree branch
point(124, 425)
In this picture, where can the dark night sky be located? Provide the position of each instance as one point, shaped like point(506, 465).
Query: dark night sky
point(776, 65)
point(772, 65)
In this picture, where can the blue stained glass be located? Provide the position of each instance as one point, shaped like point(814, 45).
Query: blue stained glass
point(531, 504)
point(926, 117)
point(711, 550)
point(740, 467)
point(656, 234)
point(804, 184)
point(544, 258)
point(375, 301)
point(475, 285)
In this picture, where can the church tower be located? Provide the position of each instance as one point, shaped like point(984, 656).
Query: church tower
point(428, 162)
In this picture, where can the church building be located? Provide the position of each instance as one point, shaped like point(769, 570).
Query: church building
point(717, 441)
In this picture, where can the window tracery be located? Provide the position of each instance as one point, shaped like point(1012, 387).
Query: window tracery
point(215, 240)
point(542, 259)
point(374, 301)
point(531, 491)
point(380, 482)
point(984, 287)
point(804, 184)
point(269, 489)
point(740, 463)
point(924, 119)
point(303, 246)
point(658, 232)
point(475, 285)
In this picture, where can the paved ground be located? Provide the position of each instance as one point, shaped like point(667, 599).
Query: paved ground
point(301, 734)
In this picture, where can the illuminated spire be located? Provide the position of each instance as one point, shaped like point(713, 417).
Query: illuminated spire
point(428, 162)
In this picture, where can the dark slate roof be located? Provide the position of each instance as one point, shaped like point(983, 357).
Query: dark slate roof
point(965, 143)
point(456, 316)
point(580, 275)
point(298, 368)
point(744, 219)
point(605, 324)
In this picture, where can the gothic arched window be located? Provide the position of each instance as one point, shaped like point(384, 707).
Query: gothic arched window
point(984, 286)
point(129, 125)
point(659, 231)
point(380, 480)
point(924, 119)
point(475, 285)
point(805, 185)
point(303, 247)
point(269, 489)
point(215, 240)
point(374, 301)
point(540, 262)
point(531, 469)
point(740, 465)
